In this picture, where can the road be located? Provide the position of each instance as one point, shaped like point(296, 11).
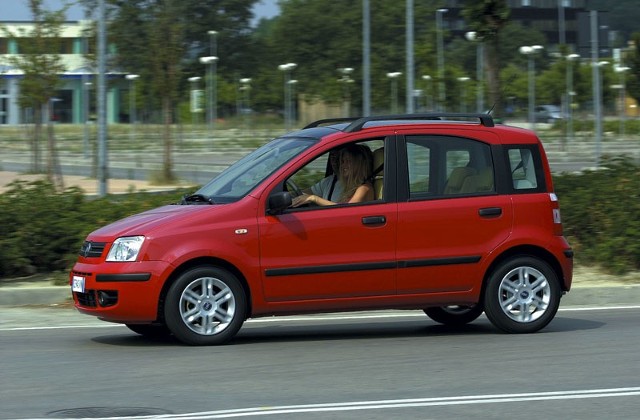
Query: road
point(373, 365)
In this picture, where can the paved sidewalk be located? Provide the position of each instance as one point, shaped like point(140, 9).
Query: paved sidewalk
point(89, 185)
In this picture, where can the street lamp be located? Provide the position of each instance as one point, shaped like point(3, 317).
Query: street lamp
point(570, 93)
point(287, 69)
point(429, 92)
point(530, 51)
point(132, 105)
point(623, 97)
point(210, 62)
point(463, 80)
point(441, 85)
point(597, 104)
point(473, 37)
point(346, 80)
point(394, 90)
point(194, 99)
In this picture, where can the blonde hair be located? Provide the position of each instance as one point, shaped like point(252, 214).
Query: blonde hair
point(360, 169)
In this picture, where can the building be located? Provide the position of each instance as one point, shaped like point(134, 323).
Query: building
point(75, 100)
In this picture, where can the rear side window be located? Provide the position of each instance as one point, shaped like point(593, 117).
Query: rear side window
point(443, 166)
point(526, 169)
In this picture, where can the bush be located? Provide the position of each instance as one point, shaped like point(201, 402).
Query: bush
point(41, 231)
point(601, 214)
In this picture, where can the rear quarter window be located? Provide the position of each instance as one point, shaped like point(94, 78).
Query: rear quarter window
point(525, 169)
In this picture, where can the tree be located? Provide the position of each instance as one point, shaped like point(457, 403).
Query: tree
point(488, 18)
point(633, 80)
point(41, 68)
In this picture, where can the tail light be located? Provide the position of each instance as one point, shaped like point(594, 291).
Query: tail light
point(555, 212)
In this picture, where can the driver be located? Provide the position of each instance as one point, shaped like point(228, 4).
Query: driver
point(354, 175)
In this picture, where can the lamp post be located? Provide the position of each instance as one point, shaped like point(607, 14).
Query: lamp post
point(570, 93)
point(210, 63)
point(597, 104)
point(194, 100)
point(245, 109)
point(132, 105)
point(473, 37)
point(287, 69)
point(530, 51)
point(623, 97)
point(346, 80)
point(429, 92)
point(441, 84)
point(394, 90)
point(213, 98)
point(292, 108)
point(463, 82)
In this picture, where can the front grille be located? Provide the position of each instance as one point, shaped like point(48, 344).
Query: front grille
point(88, 298)
point(92, 249)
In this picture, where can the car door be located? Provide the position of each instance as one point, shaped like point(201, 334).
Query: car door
point(452, 218)
point(341, 251)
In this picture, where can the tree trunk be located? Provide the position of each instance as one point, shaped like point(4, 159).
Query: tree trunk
point(493, 78)
point(54, 173)
point(167, 172)
point(35, 141)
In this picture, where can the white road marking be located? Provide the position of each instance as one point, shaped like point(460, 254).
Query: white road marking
point(395, 404)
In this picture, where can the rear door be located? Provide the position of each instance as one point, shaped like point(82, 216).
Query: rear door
point(451, 215)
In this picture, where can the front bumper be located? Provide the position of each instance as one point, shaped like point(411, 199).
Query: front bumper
point(119, 292)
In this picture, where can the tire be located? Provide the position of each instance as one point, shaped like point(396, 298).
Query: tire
point(454, 315)
point(205, 306)
point(153, 331)
point(522, 295)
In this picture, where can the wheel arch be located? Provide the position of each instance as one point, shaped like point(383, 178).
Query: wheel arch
point(203, 261)
point(524, 250)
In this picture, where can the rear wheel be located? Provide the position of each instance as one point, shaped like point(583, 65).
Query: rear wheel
point(205, 306)
point(522, 295)
point(454, 315)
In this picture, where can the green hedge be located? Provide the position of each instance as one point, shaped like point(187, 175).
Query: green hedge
point(41, 231)
point(601, 214)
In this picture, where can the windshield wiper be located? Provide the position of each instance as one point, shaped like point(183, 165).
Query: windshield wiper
point(196, 199)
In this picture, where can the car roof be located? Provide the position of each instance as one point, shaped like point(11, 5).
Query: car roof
point(325, 127)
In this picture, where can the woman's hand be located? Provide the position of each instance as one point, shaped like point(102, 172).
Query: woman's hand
point(303, 199)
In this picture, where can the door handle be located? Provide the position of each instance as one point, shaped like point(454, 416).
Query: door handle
point(490, 212)
point(374, 220)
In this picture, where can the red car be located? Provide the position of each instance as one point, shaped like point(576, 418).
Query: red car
point(463, 220)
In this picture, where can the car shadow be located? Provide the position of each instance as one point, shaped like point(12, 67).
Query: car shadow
point(328, 331)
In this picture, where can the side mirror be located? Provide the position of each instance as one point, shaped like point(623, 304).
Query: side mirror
point(278, 202)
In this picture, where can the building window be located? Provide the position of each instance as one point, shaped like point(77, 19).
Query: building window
point(4, 46)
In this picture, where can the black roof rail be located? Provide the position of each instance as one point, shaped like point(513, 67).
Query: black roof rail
point(485, 119)
point(330, 120)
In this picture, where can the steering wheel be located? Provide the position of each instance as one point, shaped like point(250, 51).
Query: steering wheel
point(291, 186)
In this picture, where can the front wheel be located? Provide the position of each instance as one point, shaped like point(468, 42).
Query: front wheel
point(522, 295)
point(205, 306)
point(454, 315)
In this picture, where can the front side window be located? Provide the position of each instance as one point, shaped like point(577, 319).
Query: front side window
point(335, 177)
point(240, 178)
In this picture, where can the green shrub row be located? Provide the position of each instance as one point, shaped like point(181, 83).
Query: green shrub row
point(41, 230)
point(601, 214)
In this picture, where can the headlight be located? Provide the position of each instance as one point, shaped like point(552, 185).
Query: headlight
point(125, 248)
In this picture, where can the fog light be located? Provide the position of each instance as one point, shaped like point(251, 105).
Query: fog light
point(107, 297)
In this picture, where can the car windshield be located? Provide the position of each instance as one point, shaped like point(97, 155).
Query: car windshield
point(240, 178)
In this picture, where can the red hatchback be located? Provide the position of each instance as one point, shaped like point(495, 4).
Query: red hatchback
point(457, 218)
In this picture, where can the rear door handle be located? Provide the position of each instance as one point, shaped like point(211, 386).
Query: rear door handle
point(374, 220)
point(490, 212)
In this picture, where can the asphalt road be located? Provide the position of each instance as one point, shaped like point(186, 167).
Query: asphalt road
point(584, 365)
